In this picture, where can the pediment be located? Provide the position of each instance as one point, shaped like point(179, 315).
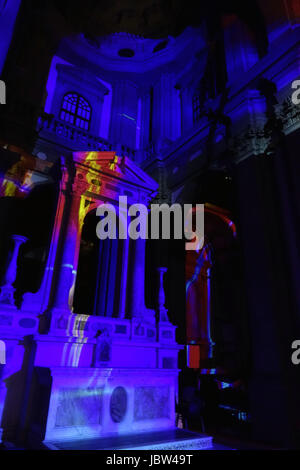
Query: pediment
point(116, 167)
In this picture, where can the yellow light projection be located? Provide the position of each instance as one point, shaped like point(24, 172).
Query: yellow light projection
point(92, 174)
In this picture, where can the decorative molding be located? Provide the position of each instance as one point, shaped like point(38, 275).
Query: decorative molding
point(253, 141)
point(289, 113)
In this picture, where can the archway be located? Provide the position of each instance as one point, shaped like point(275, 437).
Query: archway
point(211, 305)
point(31, 216)
point(98, 281)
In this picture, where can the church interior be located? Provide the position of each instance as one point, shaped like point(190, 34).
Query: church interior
point(142, 344)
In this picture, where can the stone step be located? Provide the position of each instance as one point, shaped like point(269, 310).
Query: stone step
point(175, 439)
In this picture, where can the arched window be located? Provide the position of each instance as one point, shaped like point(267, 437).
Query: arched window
point(76, 111)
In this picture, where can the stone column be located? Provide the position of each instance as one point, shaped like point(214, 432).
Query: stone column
point(145, 124)
point(67, 271)
point(138, 308)
point(166, 110)
point(124, 113)
point(2, 353)
point(7, 289)
point(124, 279)
point(75, 209)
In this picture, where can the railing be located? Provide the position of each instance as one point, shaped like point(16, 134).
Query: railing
point(78, 139)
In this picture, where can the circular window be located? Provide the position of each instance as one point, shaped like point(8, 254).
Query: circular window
point(118, 404)
point(126, 53)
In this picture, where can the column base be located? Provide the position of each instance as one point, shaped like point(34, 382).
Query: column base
point(32, 303)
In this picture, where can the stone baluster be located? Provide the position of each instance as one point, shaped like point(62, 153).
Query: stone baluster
point(161, 309)
point(7, 289)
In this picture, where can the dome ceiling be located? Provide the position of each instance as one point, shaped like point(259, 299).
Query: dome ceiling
point(133, 53)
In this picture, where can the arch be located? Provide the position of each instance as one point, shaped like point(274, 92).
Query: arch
point(32, 216)
point(36, 222)
point(76, 110)
point(205, 279)
point(101, 264)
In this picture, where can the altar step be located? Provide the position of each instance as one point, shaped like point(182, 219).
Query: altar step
point(176, 439)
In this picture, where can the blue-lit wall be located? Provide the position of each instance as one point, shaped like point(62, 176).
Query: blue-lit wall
point(8, 13)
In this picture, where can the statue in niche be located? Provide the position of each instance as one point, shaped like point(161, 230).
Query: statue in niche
point(102, 351)
point(61, 323)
